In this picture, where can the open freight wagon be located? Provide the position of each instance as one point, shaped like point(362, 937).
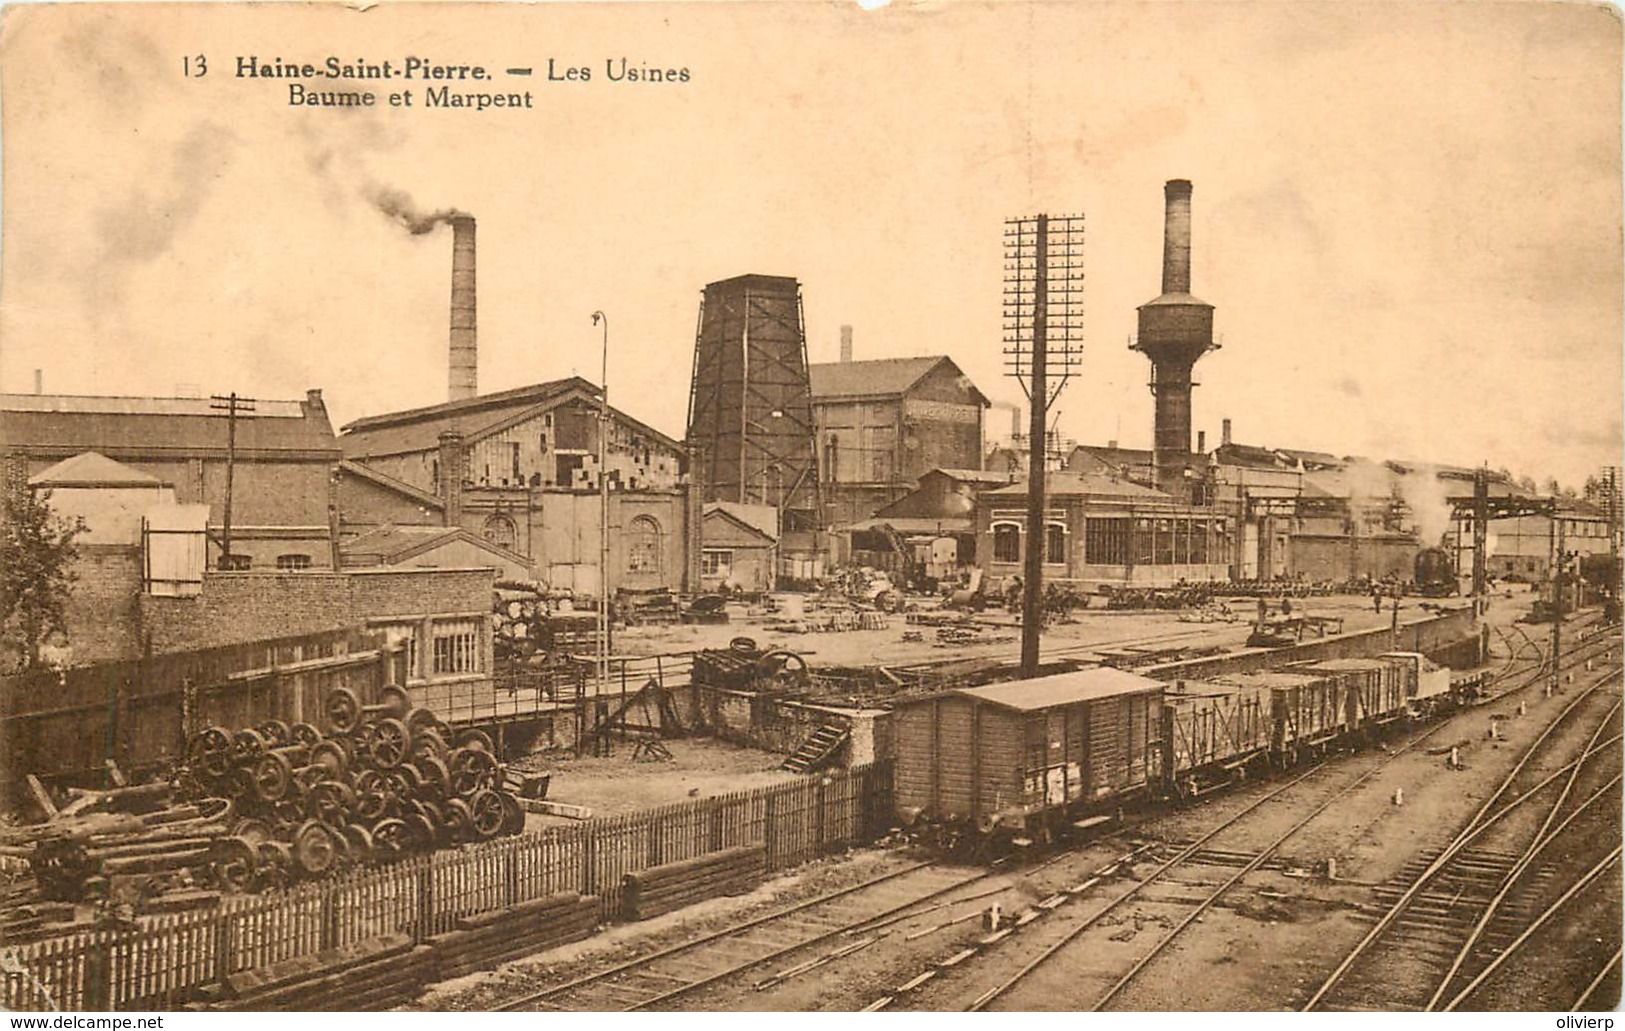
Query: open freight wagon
point(1024, 756)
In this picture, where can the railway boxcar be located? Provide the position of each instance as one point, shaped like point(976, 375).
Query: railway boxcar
point(1213, 732)
point(1005, 754)
point(1376, 689)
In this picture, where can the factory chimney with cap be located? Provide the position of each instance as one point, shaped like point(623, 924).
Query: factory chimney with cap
point(1175, 330)
point(464, 366)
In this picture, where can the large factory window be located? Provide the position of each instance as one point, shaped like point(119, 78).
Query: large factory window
point(1144, 542)
point(405, 635)
point(456, 646)
point(1106, 542)
point(1054, 543)
point(1006, 542)
point(499, 529)
point(1164, 543)
point(293, 561)
point(643, 546)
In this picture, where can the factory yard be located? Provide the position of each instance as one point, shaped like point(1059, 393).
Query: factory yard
point(620, 783)
point(1265, 944)
point(1075, 637)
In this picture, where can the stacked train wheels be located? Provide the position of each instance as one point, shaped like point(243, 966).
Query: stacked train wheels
point(385, 781)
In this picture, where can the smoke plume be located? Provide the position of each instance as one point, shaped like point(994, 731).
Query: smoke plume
point(1429, 504)
point(399, 207)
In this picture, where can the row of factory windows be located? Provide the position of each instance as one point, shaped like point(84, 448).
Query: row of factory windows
point(454, 647)
point(1120, 542)
point(287, 563)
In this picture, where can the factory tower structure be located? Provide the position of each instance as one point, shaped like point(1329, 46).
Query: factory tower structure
point(1176, 329)
point(750, 418)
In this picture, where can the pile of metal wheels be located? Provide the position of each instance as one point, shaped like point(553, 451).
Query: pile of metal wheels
point(385, 781)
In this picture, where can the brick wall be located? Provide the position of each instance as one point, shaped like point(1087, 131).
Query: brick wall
point(101, 612)
point(1439, 637)
point(240, 607)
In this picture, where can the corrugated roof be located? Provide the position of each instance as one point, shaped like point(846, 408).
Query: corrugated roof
point(1066, 484)
point(152, 425)
point(761, 518)
point(881, 377)
point(1063, 688)
point(419, 429)
point(90, 405)
point(91, 470)
point(867, 379)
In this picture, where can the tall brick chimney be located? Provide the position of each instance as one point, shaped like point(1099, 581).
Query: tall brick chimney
point(464, 366)
point(450, 487)
point(846, 343)
point(1224, 433)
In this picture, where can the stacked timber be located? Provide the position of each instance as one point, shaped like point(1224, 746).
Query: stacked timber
point(661, 889)
point(489, 939)
point(377, 974)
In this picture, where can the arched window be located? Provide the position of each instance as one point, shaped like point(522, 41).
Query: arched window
point(1006, 542)
point(643, 545)
point(499, 529)
point(1054, 543)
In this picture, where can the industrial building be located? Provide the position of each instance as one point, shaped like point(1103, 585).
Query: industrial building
point(519, 468)
point(277, 456)
point(884, 424)
point(1104, 532)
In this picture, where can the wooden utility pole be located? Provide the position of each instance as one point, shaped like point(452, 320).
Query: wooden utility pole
point(1043, 313)
point(231, 404)
point(1032, 601)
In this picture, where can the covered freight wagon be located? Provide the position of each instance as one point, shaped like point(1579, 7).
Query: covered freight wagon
point(1001, 755)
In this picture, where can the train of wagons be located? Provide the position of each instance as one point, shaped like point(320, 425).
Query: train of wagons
point(1073, 749)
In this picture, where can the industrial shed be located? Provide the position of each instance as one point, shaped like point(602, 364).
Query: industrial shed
point(1073, 743)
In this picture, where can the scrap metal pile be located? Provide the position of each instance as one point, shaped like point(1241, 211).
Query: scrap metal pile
point(743, 666)
point(263, 806)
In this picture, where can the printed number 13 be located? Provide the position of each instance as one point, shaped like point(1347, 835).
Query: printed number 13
point(195, 67)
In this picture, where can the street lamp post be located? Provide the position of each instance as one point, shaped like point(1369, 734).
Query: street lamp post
point(600, 319)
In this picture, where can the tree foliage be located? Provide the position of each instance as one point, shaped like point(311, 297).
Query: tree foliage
point(36, 572)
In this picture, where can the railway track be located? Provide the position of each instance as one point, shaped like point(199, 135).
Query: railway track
point(1202, 863)
point(842, 924)
point(1460, 908)
point(857, 913)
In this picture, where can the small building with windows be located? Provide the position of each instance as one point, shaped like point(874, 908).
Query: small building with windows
point(739, 548)
point(1101, 531)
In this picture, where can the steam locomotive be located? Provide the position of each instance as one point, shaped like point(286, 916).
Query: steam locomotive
point(1436, 574)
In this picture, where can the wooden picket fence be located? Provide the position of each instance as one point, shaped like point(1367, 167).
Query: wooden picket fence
point(163, 963)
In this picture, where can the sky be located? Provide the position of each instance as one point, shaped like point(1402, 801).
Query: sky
point(1408, 217)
